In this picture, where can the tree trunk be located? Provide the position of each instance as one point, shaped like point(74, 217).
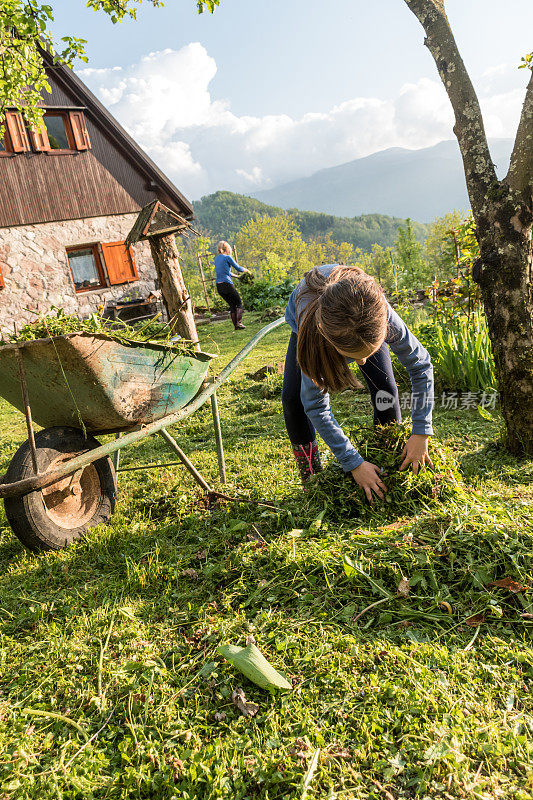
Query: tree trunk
point(175, 293)
point(505, 274)
point(503, 212)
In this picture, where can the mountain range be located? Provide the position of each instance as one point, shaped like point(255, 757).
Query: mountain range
point(421, 184)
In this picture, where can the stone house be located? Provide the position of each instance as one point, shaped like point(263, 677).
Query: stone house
point(69, 195)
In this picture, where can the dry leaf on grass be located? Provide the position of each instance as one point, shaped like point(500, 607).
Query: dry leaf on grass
point(189, 573)
point(509, 583)
point(239, 701)
point(403, 588)
point(338, 751)
point(476, 620)
point(394, 526)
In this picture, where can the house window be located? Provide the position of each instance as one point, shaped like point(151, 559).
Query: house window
point(86, 268)
point(58, 130)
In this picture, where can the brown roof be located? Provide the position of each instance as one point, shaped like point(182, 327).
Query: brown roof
point(113, 176)
point(68, 78)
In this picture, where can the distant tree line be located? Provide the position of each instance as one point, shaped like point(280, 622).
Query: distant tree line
point(223, 214)
point(274, 248)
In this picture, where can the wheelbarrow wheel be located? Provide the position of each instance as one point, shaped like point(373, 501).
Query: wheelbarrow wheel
point(58, 515)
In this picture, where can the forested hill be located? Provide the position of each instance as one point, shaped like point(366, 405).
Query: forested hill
point(223, 213)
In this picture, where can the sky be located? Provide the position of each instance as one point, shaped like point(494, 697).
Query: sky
point(260, 93)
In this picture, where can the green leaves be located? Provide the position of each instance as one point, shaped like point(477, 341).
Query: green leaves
point(335, 490)
point(24, 32)
point(462, 356)
point(209, 4)
point(59, 323)
point(118, 9)
point(527, 62)
point(252, 663)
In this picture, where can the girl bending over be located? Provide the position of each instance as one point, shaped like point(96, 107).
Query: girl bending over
point(339, 314)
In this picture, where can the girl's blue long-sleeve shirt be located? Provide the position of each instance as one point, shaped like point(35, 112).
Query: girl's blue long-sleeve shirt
point(410, 353)
point(223, 265)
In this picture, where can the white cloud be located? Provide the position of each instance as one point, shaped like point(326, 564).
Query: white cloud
point(165, 103)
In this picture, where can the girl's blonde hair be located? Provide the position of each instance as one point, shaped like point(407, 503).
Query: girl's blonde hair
point(224, 247)
point(346, 310)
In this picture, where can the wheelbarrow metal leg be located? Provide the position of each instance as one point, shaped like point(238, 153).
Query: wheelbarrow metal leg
point(27, 411)
point(184, 460)
point(218, 439)
point(116, 455)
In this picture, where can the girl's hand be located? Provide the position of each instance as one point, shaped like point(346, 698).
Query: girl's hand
point(367, 476)
point(416, 453)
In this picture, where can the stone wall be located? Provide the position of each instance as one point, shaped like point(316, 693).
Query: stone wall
point(34, 264)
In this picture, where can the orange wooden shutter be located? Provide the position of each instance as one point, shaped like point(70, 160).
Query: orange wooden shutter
point(2, 282)
point(79, 129)
point(17, 132)
point(120, 263)
point(39, 140)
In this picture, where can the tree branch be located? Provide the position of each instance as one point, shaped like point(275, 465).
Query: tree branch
point(520, 175)
point(469, 129)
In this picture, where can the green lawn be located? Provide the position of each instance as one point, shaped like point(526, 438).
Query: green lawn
point(111, 686)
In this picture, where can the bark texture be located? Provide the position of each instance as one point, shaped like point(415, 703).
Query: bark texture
point(503, 212)
point(175, 293)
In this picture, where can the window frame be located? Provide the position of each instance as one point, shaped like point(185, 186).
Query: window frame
point(51, 112)
point(95, 248)
point(76, 131)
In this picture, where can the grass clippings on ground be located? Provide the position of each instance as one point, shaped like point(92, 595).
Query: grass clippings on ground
point(412, 670)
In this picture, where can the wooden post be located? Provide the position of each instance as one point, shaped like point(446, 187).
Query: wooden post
point(175, 293)
point(159, 224)
point(202, 277)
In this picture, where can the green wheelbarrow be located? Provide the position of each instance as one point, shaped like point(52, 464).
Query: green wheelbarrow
point(62, 481)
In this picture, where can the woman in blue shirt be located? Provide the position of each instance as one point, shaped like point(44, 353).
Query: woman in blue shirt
point(339, 314)
point(223, 264)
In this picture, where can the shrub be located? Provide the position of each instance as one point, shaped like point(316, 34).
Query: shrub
point(461, 353)
point(261, 294)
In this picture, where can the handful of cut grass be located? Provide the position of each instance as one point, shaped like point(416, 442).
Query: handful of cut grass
point(336, 491)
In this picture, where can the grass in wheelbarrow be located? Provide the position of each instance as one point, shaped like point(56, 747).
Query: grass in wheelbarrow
point(59, 323)
point(114, 642)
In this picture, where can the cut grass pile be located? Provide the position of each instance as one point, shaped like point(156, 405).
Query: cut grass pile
point(335, 491)
point(407, 642)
